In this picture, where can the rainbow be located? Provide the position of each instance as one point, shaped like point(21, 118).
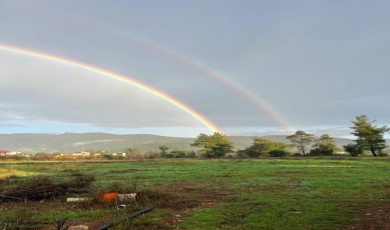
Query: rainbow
point(125, 79)
point(260, 104)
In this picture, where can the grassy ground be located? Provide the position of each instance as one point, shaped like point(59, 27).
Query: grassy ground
point(218, 194)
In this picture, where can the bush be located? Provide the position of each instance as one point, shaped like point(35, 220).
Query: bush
point(178, 153)
point(150, 155)
point(241, 154)
point(190, 154)
point(12, 157)
point(278, 153)
point(252, 153)
point(107, 157)
point(353, 149)
point(41, 156)
point(319, 152)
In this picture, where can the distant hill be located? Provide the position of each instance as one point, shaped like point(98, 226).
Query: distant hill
point(74, 142)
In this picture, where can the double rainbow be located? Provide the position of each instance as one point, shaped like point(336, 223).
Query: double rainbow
point(125, 79)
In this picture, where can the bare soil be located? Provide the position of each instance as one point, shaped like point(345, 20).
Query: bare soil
point(375, 217)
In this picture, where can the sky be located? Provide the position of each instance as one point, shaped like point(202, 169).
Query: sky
point(246, 67)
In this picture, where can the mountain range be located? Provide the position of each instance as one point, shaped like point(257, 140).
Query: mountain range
point(76, 142)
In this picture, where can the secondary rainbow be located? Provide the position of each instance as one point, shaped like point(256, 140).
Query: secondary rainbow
point(190, 111)
point(260, 104)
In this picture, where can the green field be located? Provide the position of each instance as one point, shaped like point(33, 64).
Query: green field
point(214, 194)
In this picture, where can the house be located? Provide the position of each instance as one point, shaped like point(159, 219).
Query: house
point(3, 152)
point(75, 155)
point(81, 154)
point(15, 153)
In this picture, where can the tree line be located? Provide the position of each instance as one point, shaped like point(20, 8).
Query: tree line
point(370, 138)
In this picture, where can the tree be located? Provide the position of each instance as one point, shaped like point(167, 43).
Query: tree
point(324, 146)
point(265, 147)
point(216, 145)
point(42, 156)
point(369, 136)
point(353, 149)
point(301, 140)
point(133, 153)
point(163, 150)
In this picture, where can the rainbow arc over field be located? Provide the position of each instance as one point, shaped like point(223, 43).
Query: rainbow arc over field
point(125, 79)
point(260, 103)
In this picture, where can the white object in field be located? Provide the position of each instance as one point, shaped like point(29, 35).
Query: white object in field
point(121, 206)
point(75, 199)
point(78, 227)
point(130, 197)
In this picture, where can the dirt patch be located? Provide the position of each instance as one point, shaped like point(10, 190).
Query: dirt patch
point(374, 217)
point(193, 195)
point(179, 200)
point(266, 188)
point(125, 171)
point(293, 181)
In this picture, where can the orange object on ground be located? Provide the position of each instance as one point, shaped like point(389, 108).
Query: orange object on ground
point(109, 197)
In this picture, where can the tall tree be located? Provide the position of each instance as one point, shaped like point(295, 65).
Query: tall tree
point(369, 136)
point(324, 145)
point(216, 145)
point(301, 140)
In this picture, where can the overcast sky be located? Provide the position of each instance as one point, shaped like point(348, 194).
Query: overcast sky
point(249, 67)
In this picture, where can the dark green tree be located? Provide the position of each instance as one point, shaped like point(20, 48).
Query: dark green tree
point(216, 145)
point(353, 149)
point(324, 145)
point(301, 140)
point(369, 136)
point(163, 150)
point(265, 147)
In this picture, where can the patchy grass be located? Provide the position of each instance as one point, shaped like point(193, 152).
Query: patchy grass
point(222, 194)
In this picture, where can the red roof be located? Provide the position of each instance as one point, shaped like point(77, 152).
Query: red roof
point(4, 151)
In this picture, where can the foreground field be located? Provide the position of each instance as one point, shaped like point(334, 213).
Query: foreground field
point(214, 194)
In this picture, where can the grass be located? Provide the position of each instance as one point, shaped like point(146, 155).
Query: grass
point(222, 194)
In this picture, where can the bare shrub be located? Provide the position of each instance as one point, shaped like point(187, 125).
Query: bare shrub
point(42, 187)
